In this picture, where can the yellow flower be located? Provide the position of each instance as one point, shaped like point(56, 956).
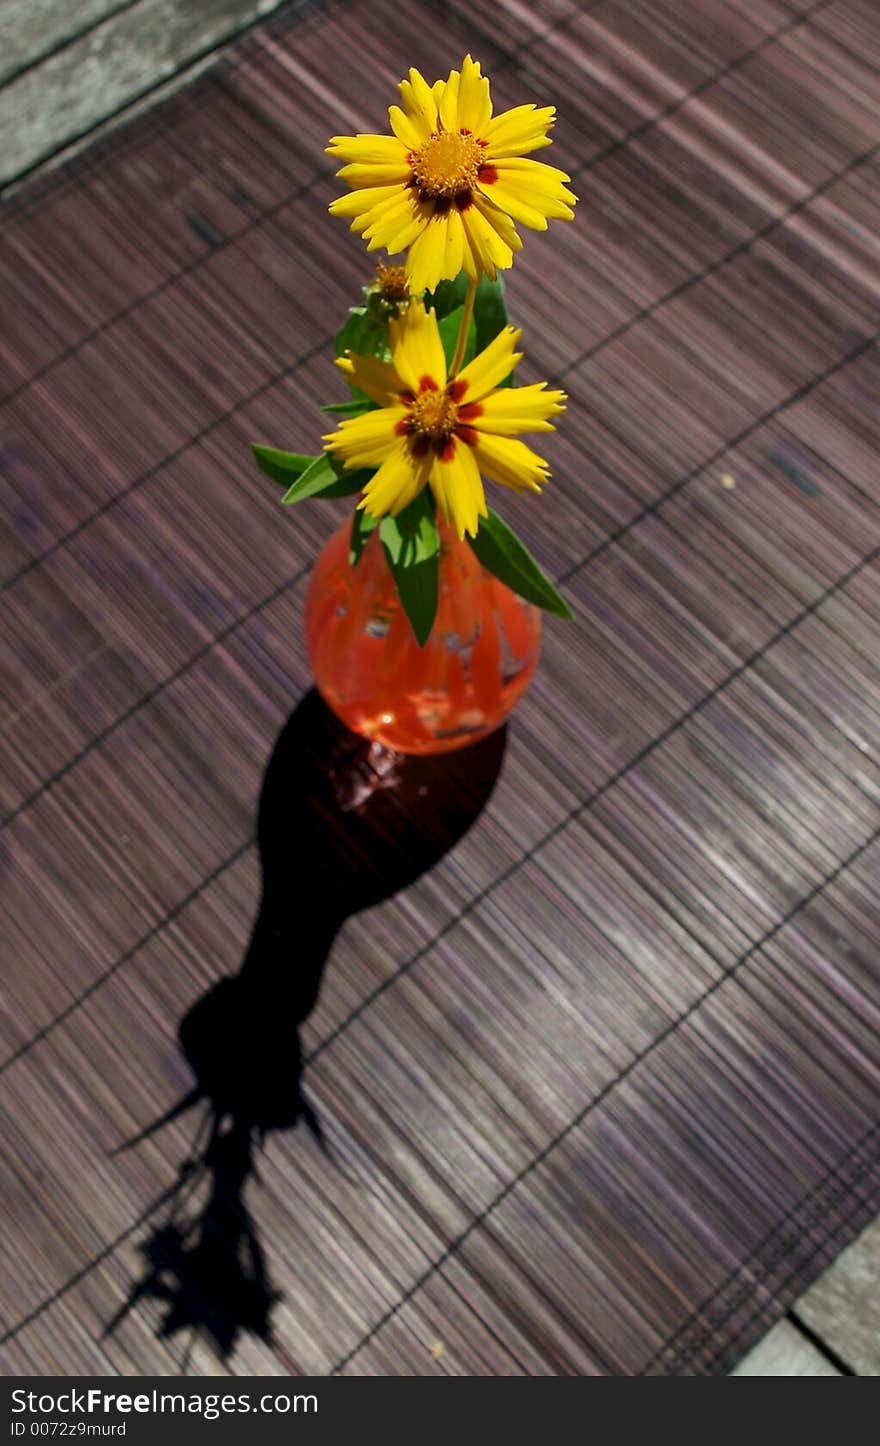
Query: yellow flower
point(452, 179)
point(430, 429)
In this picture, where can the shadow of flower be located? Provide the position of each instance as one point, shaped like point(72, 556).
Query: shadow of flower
point(342, 825)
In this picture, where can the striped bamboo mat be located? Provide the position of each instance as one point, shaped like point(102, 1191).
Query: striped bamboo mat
point(597, 1076)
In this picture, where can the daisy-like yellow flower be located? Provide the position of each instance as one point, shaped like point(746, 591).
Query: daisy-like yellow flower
point(451, 181)
point(441, 432)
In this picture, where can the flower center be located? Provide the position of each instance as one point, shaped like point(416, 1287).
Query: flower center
point(447, 165)
point(433, 415)
point(392, 282)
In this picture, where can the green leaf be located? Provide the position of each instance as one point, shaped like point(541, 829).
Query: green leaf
point(447, 296)
point(490, 316)
point(500, 551)
point(362, 528)
point(490, 312)
point(412, 547)
point(363, 334)
point(325, 477)
point(449, 328)
point(354, 408)
point(320, 476)
point(282, 467)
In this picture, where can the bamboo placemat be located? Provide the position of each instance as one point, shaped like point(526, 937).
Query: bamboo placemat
point(597, 1084)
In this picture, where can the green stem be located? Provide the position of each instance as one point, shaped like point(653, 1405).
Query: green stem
point(467, 313)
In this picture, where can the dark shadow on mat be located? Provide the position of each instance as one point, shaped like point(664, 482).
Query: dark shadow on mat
point(342, 825)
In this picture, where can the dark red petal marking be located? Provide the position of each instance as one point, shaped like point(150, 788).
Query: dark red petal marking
point(464, 131)
point(444, 204)
point(420, 446)
point(457, 390)
point(403, 426)
point(427, 384)
point(471, 411)
point(487, 174)
point(447, 452)
point(407, 398)
point(468, 435)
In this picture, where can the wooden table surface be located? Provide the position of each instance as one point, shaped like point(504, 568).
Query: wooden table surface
point(591, 1083)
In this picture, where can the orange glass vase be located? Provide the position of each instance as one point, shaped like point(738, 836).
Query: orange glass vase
point(368, 667)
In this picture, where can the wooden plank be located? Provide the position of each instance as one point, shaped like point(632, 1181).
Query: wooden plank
point(610, 1180)
point(630, 1013)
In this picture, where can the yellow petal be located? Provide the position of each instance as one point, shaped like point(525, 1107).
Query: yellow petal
point(448, 106)
point(468, 260)
point(398, 222)
point(510, 462)
point(359, 174)
point(458, 488)
point(367, 440)
point(417, 348)
point(399, 199)
point(401, 476)
point(400, 239)
point(519, 409)
point(380, 380)
point(419, 472)
point(464, 102)
point(520, 130)
point(407, 128)
point(544, 186)
point(419, 103)
point(440, 253)
point(438, 487)
point(500, 222)
point(511, 198)
point(491, 366)
point(369, 150)
point(357, 203)
point(488, 250)
point(474, 102)
point(454, 258)
point(430, 257)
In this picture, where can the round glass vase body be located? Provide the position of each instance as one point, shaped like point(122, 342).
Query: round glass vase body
point(367, 665)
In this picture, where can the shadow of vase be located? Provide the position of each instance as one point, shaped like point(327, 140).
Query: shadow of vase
point(342, 825)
